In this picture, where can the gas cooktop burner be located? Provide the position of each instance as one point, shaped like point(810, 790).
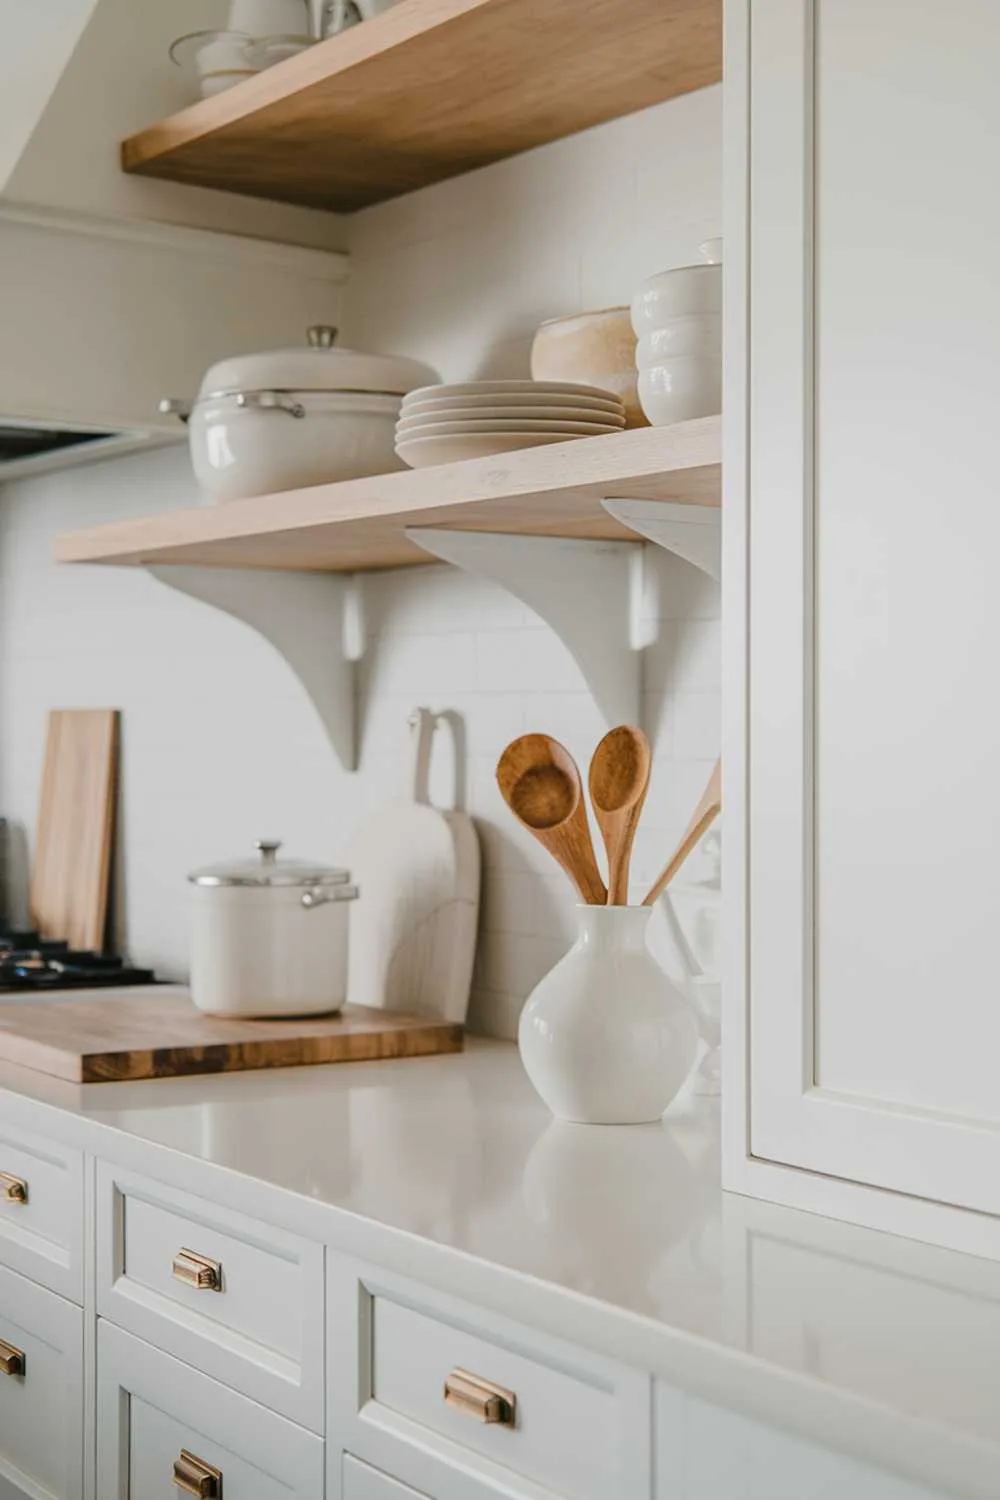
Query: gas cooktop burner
point(28, 962)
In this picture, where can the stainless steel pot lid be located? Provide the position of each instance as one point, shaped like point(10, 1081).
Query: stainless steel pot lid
point(268, 870)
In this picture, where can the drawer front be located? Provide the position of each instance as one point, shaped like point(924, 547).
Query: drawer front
point(455, 1400)
point(41, 1391)
point(239, 1300)
point(41, 1212)
point(158, 1421)
point(705, 1452)
point(360, 1482)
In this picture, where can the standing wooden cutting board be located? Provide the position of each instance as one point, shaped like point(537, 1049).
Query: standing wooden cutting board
point(156, 1032)
point(72, 863)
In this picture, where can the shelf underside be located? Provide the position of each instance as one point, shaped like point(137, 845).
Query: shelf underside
point(360, 524)
point(430, 89)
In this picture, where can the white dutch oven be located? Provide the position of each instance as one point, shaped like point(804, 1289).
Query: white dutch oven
point(288, 418)
point(269, 936)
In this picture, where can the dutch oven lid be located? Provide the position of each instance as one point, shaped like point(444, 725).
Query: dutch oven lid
point(268, 870)
point(317, 365)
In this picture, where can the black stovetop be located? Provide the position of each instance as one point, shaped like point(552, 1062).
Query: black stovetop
point(28, 962)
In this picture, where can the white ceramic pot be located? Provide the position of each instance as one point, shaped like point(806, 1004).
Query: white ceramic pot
point(269, 937)
point(288, 418)
point(606, 1038)
point(677, 390)
point(215, 60)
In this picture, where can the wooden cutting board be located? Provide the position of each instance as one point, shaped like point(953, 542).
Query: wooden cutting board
point(413, 928)
point(158, 1033)
point(72, 861)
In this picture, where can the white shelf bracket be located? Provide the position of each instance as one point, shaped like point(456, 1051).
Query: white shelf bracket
point(312, 619)
point(584, 590)
point(693, 532)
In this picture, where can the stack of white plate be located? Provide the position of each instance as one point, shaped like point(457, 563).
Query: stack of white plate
point(441, 424)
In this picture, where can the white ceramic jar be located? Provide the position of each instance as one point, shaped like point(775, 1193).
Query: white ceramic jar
point(288, 418)
point(677, 319)
point(606, 1038)
point(269, 936)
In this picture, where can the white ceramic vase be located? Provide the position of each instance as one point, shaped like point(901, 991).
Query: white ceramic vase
point(606, 1038)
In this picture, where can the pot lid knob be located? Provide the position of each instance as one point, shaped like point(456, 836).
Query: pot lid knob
point(322, 336)
point(268, 850)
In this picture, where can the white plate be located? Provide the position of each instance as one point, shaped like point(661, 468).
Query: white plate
point(538, 388)
point(592, 415)
point(520, 400)
point(422, 453)
point(406, 433)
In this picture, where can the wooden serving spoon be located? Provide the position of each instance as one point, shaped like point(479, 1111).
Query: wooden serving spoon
point(619, 781)
point(540, 783)
point(702, 818)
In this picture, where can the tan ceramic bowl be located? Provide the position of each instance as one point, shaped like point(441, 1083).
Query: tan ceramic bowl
point(597, 348)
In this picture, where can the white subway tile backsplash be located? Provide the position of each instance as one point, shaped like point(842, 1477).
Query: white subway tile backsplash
point(221, 743)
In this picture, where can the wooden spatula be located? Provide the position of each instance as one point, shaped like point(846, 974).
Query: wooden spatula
point(703, 817)
point(540, 783)
point(619, 781)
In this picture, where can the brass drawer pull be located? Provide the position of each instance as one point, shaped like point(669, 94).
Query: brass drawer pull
point(480, 1398)
point(12, 1360)
point(13, 1189)
point(195, 1477)
point(198, 1271)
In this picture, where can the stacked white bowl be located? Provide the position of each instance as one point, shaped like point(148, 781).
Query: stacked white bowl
point(677, 317)
point(443, 424)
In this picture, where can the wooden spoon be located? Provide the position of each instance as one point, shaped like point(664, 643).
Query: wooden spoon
point(702, 818)
point(619, 781)
point(540, 783)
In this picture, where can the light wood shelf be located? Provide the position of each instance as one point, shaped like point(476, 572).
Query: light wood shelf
point(360, 524)
point(430, 89)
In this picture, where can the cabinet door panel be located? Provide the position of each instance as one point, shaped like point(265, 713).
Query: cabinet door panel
point(41, 1410)
point(874, 388)
point(152, 1409)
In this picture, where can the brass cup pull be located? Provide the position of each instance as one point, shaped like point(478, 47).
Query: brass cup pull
point(13, 1189)
point(12, 1360)
point(480, 1398)
point(195, 1477)
point(198, 1271)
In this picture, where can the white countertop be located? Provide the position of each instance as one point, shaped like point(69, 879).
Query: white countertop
point(451, 1169)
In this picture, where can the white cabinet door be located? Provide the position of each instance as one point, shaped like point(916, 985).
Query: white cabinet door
point(364, 1483)
point(154, 1412)
point(873, 726)
point(707, 1453)
point(41, 1393)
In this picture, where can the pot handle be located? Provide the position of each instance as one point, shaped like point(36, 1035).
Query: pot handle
point(322, 895)
point(174, 406)
point(270, 401)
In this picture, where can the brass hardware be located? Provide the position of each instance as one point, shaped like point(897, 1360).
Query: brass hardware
point(198, 1271)
point(480, 1398)
point(195, 1477)
point(12, 1360)
point(13, 1189)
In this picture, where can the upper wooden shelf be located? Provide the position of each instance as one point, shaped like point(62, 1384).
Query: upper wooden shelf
point(360, 524)
point(430, 89)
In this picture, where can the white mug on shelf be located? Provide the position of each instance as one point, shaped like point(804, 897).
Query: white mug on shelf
point(260, 18)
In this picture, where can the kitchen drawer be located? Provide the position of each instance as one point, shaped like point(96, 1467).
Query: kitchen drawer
point(41, 1211)
point(258, 1327)
point(41, 1409)
point(151, 1410)
point(361, 1482)
point(705, 1452)
point(570, 1424)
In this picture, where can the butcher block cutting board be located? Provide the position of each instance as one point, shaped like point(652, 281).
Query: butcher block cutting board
point(158, 1033)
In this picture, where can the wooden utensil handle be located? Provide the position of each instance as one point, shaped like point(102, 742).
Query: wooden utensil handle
point(684, 848)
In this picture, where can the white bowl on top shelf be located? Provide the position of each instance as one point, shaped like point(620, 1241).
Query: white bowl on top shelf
point(677, 318)
point(214, 60)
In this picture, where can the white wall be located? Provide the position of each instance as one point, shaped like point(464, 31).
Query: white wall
point(221, 745)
